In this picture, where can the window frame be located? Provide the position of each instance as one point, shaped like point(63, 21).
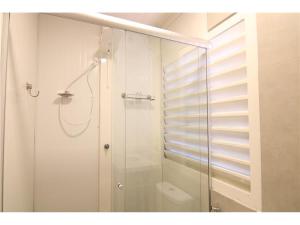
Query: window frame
point(250, 199)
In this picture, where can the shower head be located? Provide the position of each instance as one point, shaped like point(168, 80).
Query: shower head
point(103, 54)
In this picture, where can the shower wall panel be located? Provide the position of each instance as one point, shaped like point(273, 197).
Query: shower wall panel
point(66, 155)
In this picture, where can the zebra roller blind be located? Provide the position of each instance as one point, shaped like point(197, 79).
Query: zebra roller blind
point(228, 107)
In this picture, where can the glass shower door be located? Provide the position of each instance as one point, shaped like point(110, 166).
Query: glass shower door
point(136, 94)
point(143, 122)
point(185, 183)
point(150, 173)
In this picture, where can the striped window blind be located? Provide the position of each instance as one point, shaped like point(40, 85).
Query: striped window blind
point(228, 107)
point(185, 108)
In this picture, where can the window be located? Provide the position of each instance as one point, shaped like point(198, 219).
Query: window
point(234, 137)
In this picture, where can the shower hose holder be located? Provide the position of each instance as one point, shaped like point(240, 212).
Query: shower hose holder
point(65, 94)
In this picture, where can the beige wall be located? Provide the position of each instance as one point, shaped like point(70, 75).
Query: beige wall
point(279, 82)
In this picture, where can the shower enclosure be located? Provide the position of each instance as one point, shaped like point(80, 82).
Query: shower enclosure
point(99, 118)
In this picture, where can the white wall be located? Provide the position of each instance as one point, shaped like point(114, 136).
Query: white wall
point(66, 167)
point(19, 124)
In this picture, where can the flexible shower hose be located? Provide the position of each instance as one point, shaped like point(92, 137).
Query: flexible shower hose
point(87, 74)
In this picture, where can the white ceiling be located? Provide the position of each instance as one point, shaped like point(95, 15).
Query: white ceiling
point(153, 19)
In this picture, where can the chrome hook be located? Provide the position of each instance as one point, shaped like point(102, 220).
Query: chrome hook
point(29, 89)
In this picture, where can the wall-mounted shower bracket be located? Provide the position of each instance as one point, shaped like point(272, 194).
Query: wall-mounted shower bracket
point(29, 89)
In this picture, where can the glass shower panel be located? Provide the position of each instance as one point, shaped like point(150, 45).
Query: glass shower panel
point(143, 119)
point(185, 162)
point(159, 126)
point(136, 124)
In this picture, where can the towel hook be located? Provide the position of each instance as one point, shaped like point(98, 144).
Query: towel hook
point(29, 89)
